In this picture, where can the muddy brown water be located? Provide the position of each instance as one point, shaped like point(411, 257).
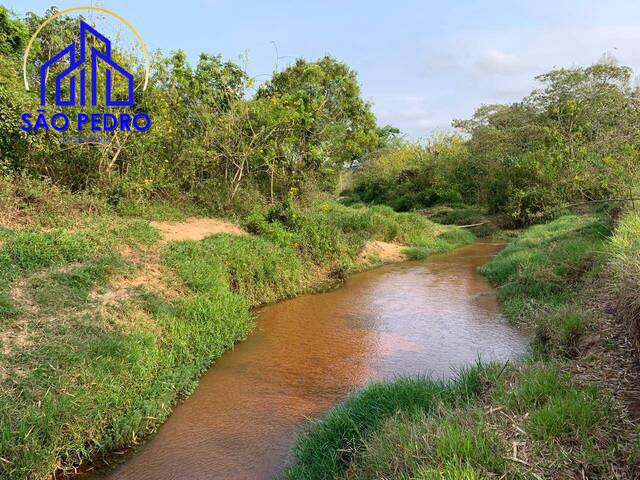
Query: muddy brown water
point(308, 353)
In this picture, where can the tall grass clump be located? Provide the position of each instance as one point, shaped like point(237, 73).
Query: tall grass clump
point(543, 265)
point(253, 267)
point(625, 265)
point(436, 444)
point(457, 214)
point(326, 448)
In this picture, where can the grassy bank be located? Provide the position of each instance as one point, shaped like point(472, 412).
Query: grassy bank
point(554, 415)
point(103, 326)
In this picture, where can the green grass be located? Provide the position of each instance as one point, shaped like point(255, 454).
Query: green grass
point(427, 444)
point(544, 264)
point(27, 251)
point(451, 471)
point(83, 378)
point(532, 390)
point(417, 428)
point(33, 249)
point(84, 384)
point(534, 401)
point(326, 448)
point(5, 233)
point(257, 269)
point(450, 238)
point(568, 416)
point(60, 290)
point(89, 389)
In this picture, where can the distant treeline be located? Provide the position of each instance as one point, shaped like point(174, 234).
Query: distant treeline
point(575, 139)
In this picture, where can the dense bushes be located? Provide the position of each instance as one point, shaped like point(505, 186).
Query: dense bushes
point(408, 176)
point(572, 140)
point(210, 141)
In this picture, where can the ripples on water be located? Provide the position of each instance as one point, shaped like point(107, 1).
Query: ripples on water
point(306, 354)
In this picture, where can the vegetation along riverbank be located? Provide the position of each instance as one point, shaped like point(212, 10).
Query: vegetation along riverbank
point(129, 265)
point(559, 166)
point(105, 323)
point(566, 411)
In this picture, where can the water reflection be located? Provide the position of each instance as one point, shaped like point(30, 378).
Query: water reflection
point(308, 353)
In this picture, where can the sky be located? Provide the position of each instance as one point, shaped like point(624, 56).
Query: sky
point(420, 63)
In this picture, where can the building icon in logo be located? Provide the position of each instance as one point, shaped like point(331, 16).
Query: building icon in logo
point(80, 56)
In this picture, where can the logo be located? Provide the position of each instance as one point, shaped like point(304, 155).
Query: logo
point(76, 72)
point(87, 76)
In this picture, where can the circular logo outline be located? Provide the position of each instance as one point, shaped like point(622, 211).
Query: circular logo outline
point(100, 9)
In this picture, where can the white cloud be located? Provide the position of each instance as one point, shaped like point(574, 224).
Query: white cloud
point(469, 68)
point(414, 115)
point(496, 62)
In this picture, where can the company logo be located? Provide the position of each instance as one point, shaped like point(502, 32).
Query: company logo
point(76, 72)
point(89, 76)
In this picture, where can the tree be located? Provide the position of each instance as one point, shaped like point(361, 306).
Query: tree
point(331, 123)
point(573, 139)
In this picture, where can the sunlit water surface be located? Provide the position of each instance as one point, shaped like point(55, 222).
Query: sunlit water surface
point(307, 354)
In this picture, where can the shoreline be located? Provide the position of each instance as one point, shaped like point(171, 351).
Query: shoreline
point(160, 303)
point(568, 393)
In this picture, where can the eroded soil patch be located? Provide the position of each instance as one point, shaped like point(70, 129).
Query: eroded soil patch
point(195, 229)
point(384, 252)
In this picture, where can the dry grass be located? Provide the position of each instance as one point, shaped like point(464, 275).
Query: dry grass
point(628, 301)
point(624, 272)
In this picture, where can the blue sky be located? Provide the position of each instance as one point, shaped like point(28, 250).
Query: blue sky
point(421, 63)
